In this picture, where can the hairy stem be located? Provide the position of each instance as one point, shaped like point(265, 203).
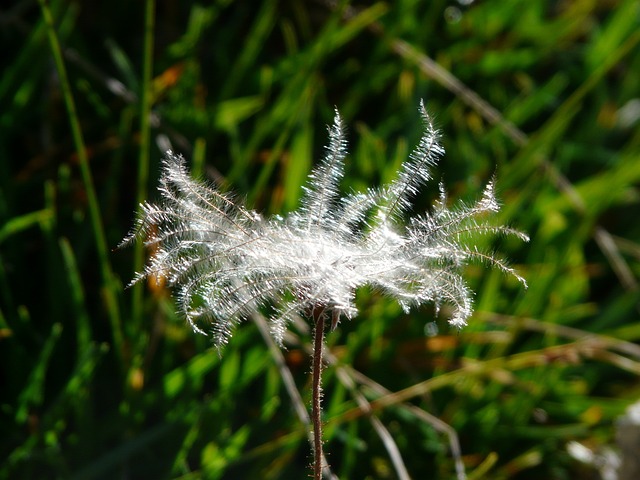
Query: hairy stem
point(316, 412)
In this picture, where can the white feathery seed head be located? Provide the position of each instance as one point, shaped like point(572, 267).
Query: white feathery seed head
point(226, 261)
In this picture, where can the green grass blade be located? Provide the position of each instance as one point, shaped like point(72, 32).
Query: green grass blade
point(144, 153)
point(108, 280)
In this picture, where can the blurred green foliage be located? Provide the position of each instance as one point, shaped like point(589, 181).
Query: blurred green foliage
point(102, 382)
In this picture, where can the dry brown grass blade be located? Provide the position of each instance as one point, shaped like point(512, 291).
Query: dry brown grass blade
point(354, 375)
point(570, 354)
point(386, 438)
point(533, 325)
point(348, 375)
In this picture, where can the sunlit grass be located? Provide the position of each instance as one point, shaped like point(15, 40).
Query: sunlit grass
point(101, 382)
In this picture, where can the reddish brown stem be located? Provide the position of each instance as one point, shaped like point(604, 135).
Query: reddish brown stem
point(316, 411)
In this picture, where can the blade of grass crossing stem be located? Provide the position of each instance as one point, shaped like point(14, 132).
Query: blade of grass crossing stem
point(108, 281)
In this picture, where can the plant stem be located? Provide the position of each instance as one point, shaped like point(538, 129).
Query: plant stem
point(316, 411)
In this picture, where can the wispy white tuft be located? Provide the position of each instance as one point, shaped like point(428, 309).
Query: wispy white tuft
point(226, 261)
